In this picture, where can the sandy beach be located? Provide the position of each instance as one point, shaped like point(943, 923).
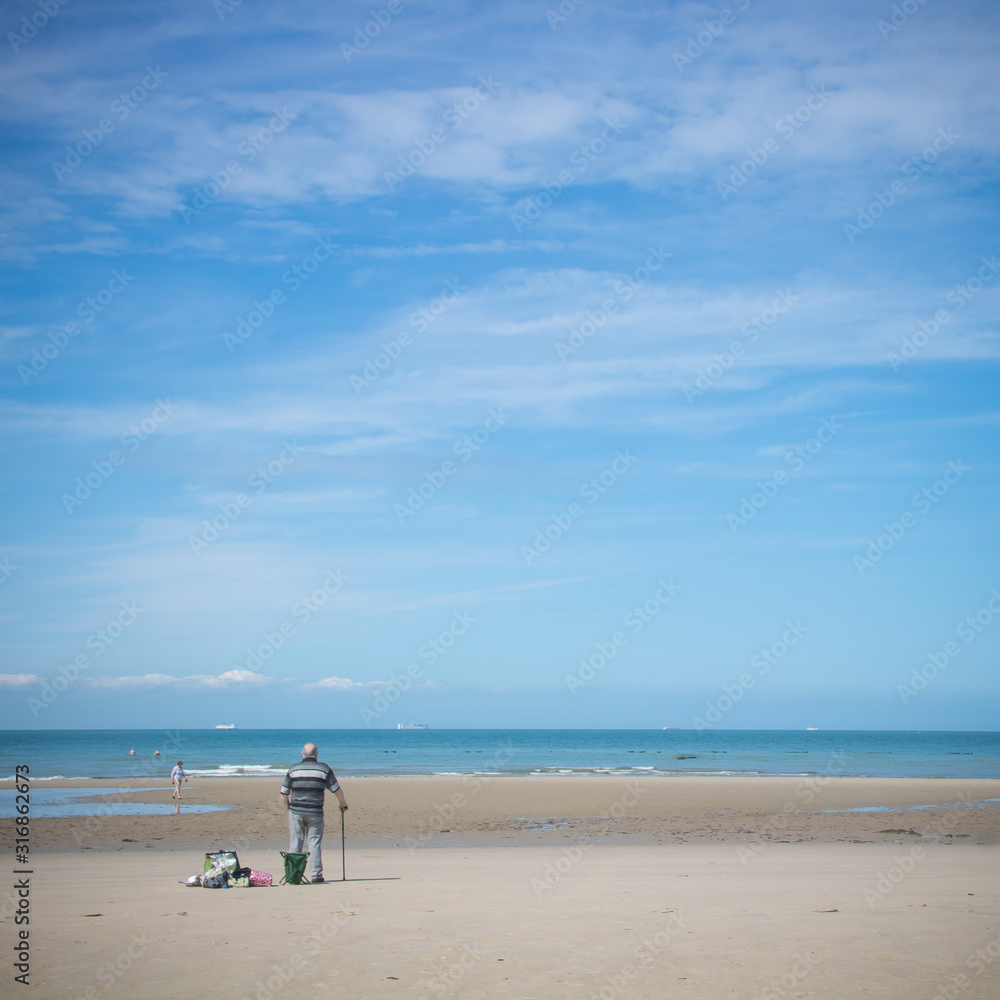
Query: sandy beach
point(533, 887)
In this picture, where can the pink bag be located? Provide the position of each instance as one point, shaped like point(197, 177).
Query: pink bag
point(259, 878)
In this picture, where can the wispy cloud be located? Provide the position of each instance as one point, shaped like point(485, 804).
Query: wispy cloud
point(19, 680)
point(245, 679)
point(345, 684)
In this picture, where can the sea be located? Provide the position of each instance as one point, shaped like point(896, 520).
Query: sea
point(671, 753)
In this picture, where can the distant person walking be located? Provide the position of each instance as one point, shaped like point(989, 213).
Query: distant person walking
point(303, 795)
point(177, 776)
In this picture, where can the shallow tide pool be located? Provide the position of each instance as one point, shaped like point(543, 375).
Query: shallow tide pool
point(50, 803)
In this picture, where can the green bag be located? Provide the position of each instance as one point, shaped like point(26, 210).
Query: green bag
point(222, 859)
point(295, 867)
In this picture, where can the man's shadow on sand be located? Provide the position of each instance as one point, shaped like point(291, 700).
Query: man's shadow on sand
point(341, 881)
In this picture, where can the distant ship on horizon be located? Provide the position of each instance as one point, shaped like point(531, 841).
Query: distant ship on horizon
point(228, 725)
point(411, 725)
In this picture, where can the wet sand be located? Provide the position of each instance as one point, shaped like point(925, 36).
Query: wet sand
point(497, 811)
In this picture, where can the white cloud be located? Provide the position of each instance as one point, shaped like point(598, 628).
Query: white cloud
point(236, 676)
point(344, 684)
point(131, 683)
point(427, 250)
point(229, 679)
point(19, 680)
point(886, 99)
point(655, 342)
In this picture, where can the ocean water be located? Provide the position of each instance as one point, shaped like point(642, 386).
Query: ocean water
point(656, 753)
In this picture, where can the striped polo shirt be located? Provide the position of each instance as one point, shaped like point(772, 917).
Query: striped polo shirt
point(306, 783)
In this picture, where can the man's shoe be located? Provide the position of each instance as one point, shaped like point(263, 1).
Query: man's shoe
point(317, 878)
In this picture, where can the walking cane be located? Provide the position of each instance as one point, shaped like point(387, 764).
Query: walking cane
point(343, 850)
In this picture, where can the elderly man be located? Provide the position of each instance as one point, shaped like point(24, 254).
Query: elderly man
point(303, 794)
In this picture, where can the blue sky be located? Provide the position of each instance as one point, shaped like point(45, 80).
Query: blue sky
point(521, 364)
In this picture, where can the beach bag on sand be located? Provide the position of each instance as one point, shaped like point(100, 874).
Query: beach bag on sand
point(239, 879)
point(217, 878)
point(221, 859)
point(259, 878)
point(295, 867)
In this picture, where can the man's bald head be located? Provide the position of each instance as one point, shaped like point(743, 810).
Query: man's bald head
point(310, 750)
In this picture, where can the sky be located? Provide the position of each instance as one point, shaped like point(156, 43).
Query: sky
point(561, 365)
